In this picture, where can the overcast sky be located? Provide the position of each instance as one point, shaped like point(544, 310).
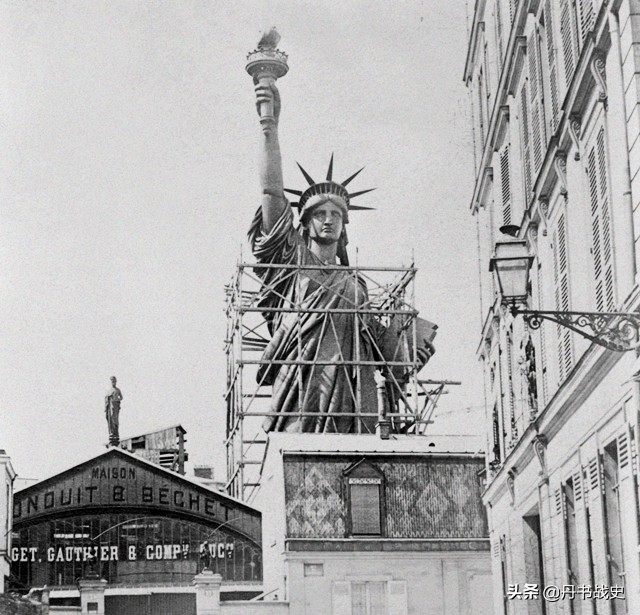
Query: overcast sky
point(129, 177)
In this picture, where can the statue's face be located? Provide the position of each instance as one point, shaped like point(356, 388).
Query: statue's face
point(325, 223)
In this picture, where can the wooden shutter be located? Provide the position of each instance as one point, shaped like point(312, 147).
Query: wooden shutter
point(481, 107)
point(497, 457)
point(525, 142)
point(596, 516)
point(601, 248)
point(561, 280)
point(581, 495)
point(341, 598)
point(499, 34)
point(586, 17)
point(538, 134)
point(558, 536)
point(508, 392)
point(568, 35)
point(553, 70)
point(505, 184)
point(628, 496)
point(398, 603)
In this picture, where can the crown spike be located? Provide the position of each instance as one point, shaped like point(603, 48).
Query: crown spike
point(360, 208)
point(351, 196)
point(306, 175)
point(330, 171)
point(291, 191)
point(346, 181)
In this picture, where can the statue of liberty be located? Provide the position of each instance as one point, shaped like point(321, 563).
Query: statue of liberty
point(316, 343)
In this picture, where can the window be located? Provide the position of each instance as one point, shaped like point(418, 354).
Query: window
point(601, 245)
point(481, 108)
point(313, 570)
point(533, 556)
point(550, 43)
point(613, 518)
point(365, 497)
point(497, 453)
point(571, 537)
point(505, 185)
point(498, 25)
point(369, 597)
point(523, 114)
point(536, 103)
point(562, 296)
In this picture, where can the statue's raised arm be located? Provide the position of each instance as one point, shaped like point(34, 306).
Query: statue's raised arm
point(266, 64)
point(273, 201)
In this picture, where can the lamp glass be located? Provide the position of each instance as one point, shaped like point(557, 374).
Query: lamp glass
point(511, 264)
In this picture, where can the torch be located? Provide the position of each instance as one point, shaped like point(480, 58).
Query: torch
point(266, 64)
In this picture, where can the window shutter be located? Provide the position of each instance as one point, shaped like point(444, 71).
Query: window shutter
point(499, 32)
point(557, 535)
point(553, 71)
point(601, 248)
point(505, 185)
point(509, 394)
point(359, 598)
point(624, 453)
point(586, 17)
point(538, 138)
point(561, 279)
point(607, 252)
point(583, 539)
point(481, 107)
point(341, 598)
point(634, 453)
point(578, 492)
point(568, 39)
point(525, 142)
point(496, 436)
point(596, 516)
point(398, 604)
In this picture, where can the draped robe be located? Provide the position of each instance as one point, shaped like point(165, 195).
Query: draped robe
point(327, 389)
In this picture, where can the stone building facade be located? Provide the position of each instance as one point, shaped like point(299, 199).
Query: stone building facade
point(357, 525)
point(7, 476)
point(554, 86)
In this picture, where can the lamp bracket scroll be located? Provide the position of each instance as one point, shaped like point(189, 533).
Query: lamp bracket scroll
point(619, 331)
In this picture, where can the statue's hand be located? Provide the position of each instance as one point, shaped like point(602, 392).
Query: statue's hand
point(268, 93)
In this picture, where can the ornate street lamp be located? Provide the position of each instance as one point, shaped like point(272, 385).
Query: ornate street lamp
point(511, 262)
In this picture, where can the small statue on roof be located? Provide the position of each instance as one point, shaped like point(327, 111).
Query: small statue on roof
point(112, 412)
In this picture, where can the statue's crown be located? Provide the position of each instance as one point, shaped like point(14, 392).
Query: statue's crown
point(329, 188)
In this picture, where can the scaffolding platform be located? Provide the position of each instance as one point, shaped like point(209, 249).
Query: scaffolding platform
point(398, 355)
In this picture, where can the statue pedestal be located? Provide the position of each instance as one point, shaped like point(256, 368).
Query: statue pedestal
point(207, 592)
point(92, 595)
